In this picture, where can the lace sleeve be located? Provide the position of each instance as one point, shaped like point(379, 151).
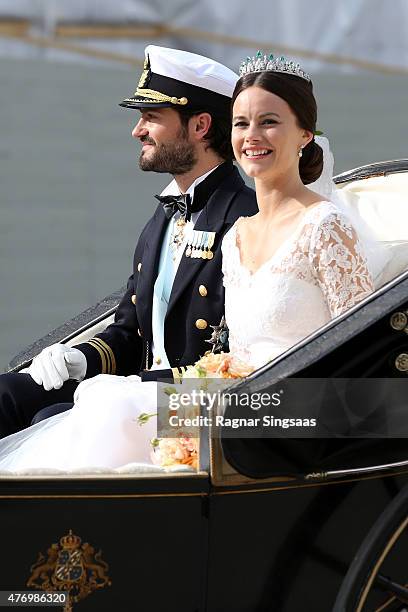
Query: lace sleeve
point(339, 263)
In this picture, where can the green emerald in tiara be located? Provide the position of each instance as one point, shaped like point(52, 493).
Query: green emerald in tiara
point(261, 62)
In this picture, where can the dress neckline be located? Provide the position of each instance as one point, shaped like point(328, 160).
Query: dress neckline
point(285, 243)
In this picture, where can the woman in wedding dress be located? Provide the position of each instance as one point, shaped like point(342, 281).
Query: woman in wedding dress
point(287, 271)
point(298, 262)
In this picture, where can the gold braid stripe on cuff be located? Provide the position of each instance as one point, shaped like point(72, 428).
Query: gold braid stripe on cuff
point(106, 354)
point(102, 355)
point(157, 96)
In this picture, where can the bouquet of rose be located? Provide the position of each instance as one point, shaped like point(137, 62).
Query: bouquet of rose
point(168, 452)
point(183, 449)
point(219, 365)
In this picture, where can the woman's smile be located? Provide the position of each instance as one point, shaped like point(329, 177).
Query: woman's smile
point(256, 153)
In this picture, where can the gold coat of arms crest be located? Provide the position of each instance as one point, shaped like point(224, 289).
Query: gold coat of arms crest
point(70, 566)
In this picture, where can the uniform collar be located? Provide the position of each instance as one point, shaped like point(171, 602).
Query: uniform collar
point(173, 188)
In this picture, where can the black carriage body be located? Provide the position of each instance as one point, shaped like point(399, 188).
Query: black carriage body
point(178, 544)
point(252, 534)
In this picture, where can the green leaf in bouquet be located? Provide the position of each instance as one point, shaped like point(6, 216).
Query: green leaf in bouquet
point(202, 373)
point(144, 417)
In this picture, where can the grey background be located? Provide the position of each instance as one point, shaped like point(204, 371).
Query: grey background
point(73, 200)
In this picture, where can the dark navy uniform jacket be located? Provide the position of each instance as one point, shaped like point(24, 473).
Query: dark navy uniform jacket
point(125, 346)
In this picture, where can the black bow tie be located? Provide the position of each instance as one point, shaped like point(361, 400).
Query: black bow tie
point(172, 204)
point(202, 194)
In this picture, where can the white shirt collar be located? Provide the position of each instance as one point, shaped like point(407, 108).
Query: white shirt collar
point(173, 188)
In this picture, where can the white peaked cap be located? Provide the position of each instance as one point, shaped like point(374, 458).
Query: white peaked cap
point(192, 69)
point(176, 78)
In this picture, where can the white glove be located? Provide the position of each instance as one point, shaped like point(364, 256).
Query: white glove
point(56, 364)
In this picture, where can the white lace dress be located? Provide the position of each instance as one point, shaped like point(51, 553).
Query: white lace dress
point(313, 277)
point(316, 275)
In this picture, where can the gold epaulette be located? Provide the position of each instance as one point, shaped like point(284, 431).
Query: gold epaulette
point(106, 354)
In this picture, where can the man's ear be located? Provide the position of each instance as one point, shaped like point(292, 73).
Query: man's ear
point(199, 126)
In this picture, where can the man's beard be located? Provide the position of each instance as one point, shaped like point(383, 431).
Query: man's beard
point(173, 157)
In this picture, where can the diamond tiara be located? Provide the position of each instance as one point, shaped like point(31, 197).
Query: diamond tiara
point(261, 62)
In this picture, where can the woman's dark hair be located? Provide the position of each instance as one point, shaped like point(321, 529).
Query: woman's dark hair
point(298, 93)
point(219, 134)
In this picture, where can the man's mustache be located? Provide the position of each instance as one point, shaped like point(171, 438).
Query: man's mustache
point(147, 140)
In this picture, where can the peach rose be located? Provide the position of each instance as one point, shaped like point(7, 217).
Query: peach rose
point(175, 451)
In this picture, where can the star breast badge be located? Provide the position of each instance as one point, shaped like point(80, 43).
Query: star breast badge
point(219, 337)
point(72, 567)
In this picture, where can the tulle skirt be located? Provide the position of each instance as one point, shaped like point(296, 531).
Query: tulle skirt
point(101, 431)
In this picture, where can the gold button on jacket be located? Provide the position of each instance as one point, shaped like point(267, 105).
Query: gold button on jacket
point(133, 299)
point(158, 360)
point(201, 324)
point(202, 290)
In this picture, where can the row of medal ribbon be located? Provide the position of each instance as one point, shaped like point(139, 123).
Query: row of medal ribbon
point(200, 245)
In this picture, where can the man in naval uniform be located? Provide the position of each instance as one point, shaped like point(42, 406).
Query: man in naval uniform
point(175, 293)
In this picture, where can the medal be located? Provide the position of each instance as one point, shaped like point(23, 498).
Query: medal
point(190, 244)
point(210, 243)
point(200, 244)
point(194, 243)
point(197, 250)
point(204, 240)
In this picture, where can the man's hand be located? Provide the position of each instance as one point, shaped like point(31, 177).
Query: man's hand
point(56, 364)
